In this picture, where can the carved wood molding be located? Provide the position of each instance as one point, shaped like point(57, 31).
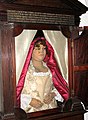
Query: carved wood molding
point(7, 1)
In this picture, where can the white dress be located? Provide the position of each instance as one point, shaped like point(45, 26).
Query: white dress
point(37, 85)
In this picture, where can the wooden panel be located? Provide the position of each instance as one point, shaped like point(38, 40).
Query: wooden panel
point(81, 85)
point(8, 68)
point(81, 49)
point(52, 114)
point(80, 66)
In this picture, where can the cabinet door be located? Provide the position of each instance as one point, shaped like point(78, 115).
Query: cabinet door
point(78, 66)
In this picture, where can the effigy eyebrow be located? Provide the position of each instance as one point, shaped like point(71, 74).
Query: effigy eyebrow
point(37, 45)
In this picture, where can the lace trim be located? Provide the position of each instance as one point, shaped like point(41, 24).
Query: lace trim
point(40, 73)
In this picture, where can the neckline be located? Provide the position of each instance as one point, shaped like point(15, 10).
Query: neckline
point(44, 64)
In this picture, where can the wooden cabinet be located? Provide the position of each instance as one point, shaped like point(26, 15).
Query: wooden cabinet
point(16, 15)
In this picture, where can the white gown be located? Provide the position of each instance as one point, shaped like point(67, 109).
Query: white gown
point(37, 85)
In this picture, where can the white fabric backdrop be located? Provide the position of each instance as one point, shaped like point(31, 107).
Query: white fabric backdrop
point(22, 43)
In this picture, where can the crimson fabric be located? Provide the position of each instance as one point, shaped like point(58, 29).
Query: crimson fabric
point(58, 81)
